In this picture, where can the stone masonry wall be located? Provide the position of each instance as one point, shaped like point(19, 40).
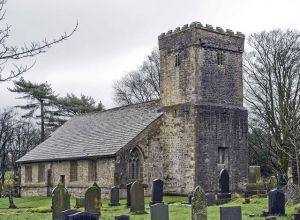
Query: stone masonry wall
point(105, 177)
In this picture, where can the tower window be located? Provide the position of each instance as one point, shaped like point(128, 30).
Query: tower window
point(220, 59)
point(177, 60)
point(222, 155)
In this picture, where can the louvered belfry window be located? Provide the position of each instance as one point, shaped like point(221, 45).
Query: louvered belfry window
point(134, 165)
point(41, 172)
point(92, 170)
point(28, 173)
point(73, 171)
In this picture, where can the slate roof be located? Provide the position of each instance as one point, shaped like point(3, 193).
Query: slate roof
point(96, 134)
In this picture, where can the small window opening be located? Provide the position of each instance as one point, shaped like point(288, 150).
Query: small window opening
point(177, 60)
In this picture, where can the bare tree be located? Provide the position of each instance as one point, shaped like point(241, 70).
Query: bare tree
point(272, 81)
point(7, 124)
point(140, 85)
point(12, 54)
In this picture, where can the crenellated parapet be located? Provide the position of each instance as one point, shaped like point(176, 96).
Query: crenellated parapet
point(207, 27)
point(206, 37)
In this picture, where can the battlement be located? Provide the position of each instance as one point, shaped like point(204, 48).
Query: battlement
point(207, 27)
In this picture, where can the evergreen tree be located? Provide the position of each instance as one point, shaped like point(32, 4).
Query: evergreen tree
point(39, 97)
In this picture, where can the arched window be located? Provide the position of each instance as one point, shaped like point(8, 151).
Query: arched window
point(134, 165)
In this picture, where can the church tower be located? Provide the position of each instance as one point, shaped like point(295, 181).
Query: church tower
point(205, 123)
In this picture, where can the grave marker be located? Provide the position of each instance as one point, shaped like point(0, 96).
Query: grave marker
point(93, 199)
point(159, 211)
point(60, 201)
point(231, 213)
point(199, 204)
point(137, 198)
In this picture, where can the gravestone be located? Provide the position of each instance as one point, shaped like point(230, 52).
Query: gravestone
point(231, 213)
point(128, 188)
point(276, 202)
point(159, 211)
point(65, 214)
point(273, 182)
point(254, 174)
point(199, 204)
point(157, 191)
point(11, 200)
point(80, 202)
point(255, 184)
point(224, 193)
point(190, 196)
point(114, 196)
point(137, 198)
point(60, 201)
point(122, 217)
point(211, 198)
point(83, 216)
point(93, 199)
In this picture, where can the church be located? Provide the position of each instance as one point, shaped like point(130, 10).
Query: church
point(197, 128)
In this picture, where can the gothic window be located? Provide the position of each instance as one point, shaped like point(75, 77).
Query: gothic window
point(73, 171)
point(28, 173)
point(92, 170)
point(177, 60)
point(41, 172)
point(222, 155)
point(134, 165)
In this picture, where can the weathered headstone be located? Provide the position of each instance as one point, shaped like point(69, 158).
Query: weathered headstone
point(224, 193)
point(211, 198)
point(80, 202)
point(65, 214)
point(231, 213)
point(273, 182)
point(93, 199)
point(199, 204)
point(11, 200)
point(83, 216)
point(159, 211)
point(60, 201)
point(255, 184)
point(254, 174)
point(128, 188)
point(157, 191)
point(276, 202)
point(137, 198)
point(122, 217)
point(114, 196)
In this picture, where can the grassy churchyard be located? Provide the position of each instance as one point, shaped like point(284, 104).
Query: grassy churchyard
point(38, 208)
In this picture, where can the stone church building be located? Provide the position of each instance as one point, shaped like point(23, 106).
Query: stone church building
point(196, 128)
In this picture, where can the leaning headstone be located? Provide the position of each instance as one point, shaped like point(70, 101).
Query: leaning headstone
point(199, 204)
point(83, 216)
point(211, 198)
point(65, 214)
point(80, 202)
point(93, 199)
point(224, 193)
point(255, 184)
point(231, 213)
point(122, 217)
point(128, 188)
point(159, 211)
point(114, 196)
point(276, 202)
point(11, 200)
point(60, 201)
point(157, 191)
point(137, 198)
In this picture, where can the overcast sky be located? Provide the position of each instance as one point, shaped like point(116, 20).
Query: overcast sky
point(114, 37)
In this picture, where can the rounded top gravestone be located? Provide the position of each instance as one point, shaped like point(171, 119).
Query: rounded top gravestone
point(199, 204)
point(137, 198)
point(60, 201)
point(93, 199)
point(276, 202)
point(157, 191)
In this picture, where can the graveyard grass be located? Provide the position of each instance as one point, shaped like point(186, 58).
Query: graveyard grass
point(38, 208)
